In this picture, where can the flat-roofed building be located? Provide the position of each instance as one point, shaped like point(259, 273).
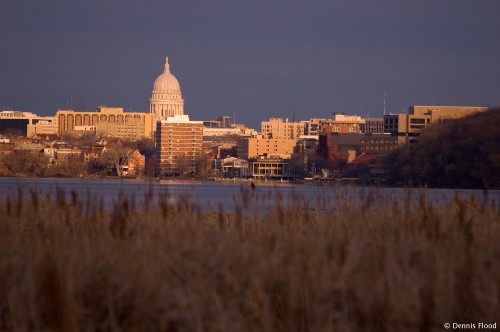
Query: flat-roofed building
point(271, 168)
point(112, 121)
point(313, 126)
point(341, 123)
point(178, 142)
point(373, 126)
point(277, 128)
point(11, 120)
point(339, 146)
point(47, 126)
point(260, 146)
point(408, 126)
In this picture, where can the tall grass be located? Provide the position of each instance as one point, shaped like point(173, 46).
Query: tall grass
point(370, 264)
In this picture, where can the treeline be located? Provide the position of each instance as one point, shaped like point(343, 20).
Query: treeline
point(30, 163)
point(461, 153)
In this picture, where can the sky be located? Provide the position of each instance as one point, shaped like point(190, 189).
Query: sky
point(250, 59)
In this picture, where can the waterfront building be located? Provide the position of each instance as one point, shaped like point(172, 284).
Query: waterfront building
point(270, 168)
point(260, 146)
point(136, 163)
point(234, 168)
point(178, 142)
point(166, 97)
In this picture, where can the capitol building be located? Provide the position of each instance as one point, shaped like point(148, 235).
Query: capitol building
point(166, 97)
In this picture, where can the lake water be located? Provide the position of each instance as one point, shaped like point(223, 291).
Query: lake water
point(226, 194)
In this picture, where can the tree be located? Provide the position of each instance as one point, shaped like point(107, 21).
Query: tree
point(24, 163)
point(460, 153)
point(115, 157)
point(203, 165)
point(184, 164)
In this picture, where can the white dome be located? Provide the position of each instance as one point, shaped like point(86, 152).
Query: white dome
point(166, 97)
point(166, 82)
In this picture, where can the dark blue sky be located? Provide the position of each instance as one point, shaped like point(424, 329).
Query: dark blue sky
point(256, 59)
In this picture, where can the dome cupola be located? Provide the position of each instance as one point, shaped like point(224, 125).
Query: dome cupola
point(166, 97)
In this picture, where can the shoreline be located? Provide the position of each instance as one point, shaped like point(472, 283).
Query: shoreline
point(249, 181)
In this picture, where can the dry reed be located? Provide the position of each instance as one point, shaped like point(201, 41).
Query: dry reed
point(370, 263)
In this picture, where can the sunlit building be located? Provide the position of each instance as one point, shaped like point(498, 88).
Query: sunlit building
point(341, 123)
point(277, 128)
point(24, 122)
point(178, 142)
point(260, 146)
point(408, 126)
point(112, 121)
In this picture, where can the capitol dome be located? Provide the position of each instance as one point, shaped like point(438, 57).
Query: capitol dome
point(166, 97)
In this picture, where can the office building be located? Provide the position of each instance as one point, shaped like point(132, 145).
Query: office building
point(107, 121)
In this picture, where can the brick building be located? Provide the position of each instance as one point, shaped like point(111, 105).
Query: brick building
point(178, 142)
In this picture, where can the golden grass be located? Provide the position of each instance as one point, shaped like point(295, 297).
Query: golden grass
point(370, 264)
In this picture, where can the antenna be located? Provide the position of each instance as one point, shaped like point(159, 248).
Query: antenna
point(385, 96)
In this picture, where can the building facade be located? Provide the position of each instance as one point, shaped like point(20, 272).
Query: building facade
point(341, 123)
point(408, 126)
point(260, 146)
point(112, 121)
point(178, 142)
point(24, 122)
point(166, 97)
point(335, 146)
point(373, 126)
point(277, 128)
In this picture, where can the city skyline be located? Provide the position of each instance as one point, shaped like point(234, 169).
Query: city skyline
point(254, 61)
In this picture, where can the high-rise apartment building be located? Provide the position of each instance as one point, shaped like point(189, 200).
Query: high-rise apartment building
point(178, 143)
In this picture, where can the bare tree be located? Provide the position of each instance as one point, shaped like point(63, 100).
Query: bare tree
point(24, 162)
point(203, 165)
point(184, 164)
point(115, 157)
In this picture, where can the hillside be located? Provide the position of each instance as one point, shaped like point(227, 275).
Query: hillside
point(461, 153)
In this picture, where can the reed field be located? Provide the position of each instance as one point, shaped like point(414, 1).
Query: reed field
point(369, 263)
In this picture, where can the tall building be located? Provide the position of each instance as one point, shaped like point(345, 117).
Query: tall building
point(178, 142)
point(166, 97)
